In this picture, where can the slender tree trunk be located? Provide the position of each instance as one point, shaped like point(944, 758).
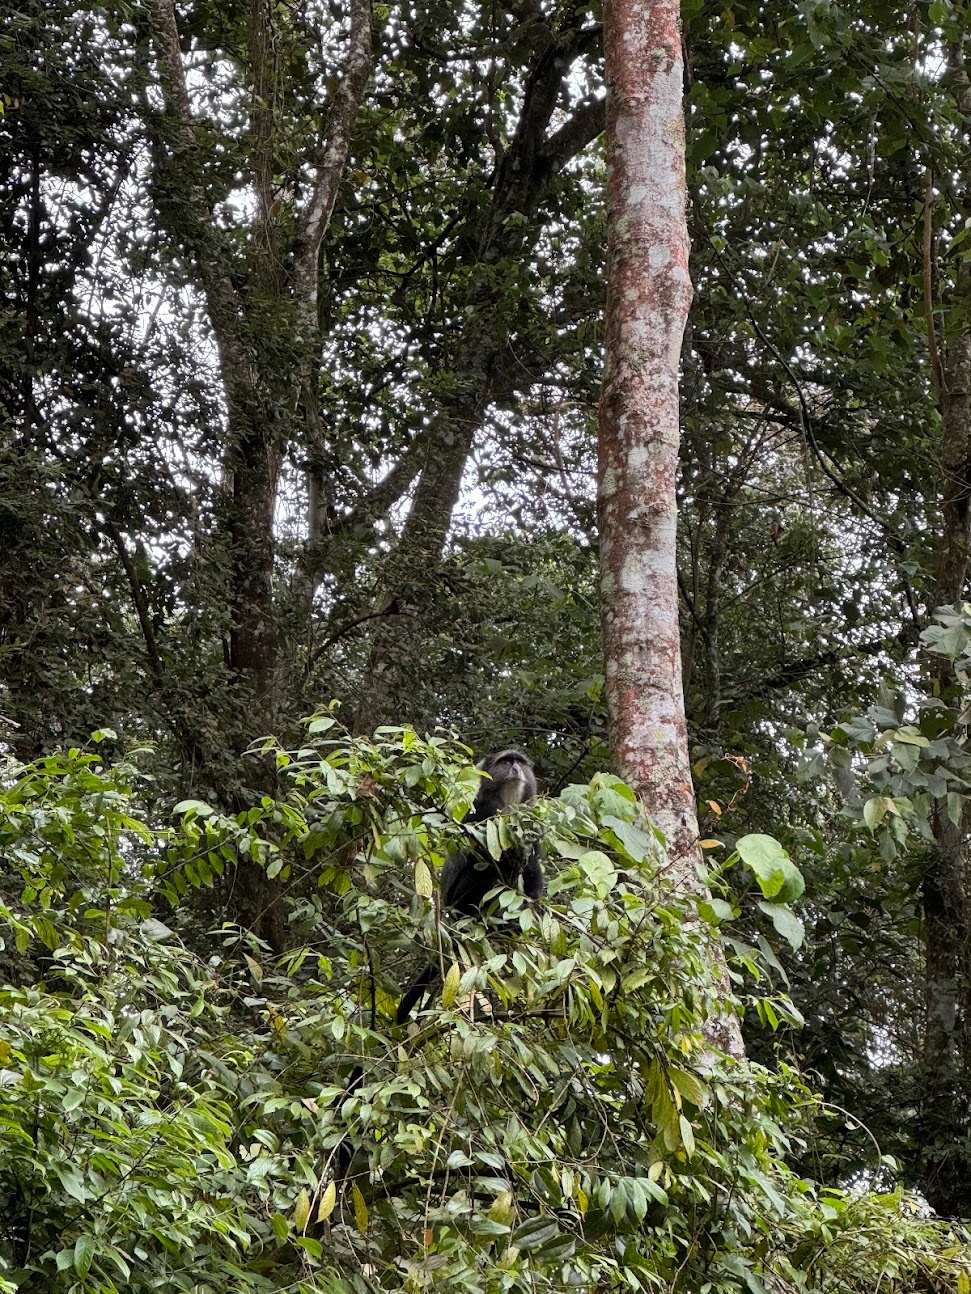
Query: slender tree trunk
point(503, 235)
point(946, 1072)
point(648, 298)
point(409, 579)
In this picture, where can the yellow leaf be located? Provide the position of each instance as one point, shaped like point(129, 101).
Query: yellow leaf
point(450, 989)
point(423, 879)
point(688, 1086)
point(301, 1211)
point(710, 844)
point(256, 970)
point(964, 1281)
point(687, 1135)
point(327, 1202)
point(503, 1208)
point(360, 1209)
point(715, 807)
point(583, 1201)
point(666, 1118)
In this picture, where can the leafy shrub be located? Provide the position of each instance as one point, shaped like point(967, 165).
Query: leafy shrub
point(176, 1120)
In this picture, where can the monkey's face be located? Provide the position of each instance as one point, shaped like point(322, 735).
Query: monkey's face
point(512, 777)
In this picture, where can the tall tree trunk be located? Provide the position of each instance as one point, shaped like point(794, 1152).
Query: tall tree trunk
point(946, 1073)
point(262, 306)
point(648, 299)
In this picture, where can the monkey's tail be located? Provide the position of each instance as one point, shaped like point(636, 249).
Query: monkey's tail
point(414, 995)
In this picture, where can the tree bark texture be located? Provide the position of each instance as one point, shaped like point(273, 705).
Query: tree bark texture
point(648, 299)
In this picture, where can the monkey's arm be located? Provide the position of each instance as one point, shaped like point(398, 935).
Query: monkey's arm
point(534, 882)
point(414, 995)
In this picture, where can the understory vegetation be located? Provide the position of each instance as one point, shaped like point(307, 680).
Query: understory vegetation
point(180, 1110)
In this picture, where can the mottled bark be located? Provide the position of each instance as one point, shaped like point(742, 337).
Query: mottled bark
point(648, 298)
point(314, 219)
point(409, 584)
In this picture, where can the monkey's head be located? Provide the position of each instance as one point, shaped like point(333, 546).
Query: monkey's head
point(511, 781)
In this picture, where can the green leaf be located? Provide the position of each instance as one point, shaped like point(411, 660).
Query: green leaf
point(876, 809)
point(84, 1251)
point(715, 911)
point(689, 1087)
point(911, 736)
point(687, 1134)
point(198, 808)
point(493, 838)
point(537, 1231)
point(599, 870)
point(666, 1117)
point(450, 987)
point(327, 1202)
point(423, 880)
point(789, 926)
point(638, 845)
point(955, 807)
point(72, 1181)
point(777, 875)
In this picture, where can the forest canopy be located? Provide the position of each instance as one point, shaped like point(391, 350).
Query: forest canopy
point(302, 347)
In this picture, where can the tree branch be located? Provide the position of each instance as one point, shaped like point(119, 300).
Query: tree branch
point(313, 220)
point(530, 152)
point(387, 492)
point(216, 283)
point(932, 346)
point(585, 125)
point(168, 47)
point(800, 669)
point(262, 113)
point(138, 598)
point(809, 435)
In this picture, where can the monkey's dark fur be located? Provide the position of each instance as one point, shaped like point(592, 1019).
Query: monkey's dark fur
point(469, 875)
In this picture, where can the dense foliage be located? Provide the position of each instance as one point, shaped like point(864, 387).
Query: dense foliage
point(185, 1112)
